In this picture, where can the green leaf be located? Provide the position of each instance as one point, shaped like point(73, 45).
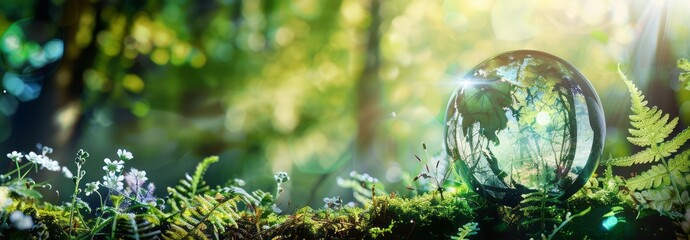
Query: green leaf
point(648, 155)
point(485, 104)
point(29, 193)
point(684, 77)
point(684, 64)
point(469, 229)
point(654, 177)
point(199, 172)
point(130, 226)
point(650, 125)
point(206, 216)
point(650, 129)
point(661, 199)
point(190, 186)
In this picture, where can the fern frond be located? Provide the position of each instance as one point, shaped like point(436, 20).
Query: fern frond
point(197, 179)
point(661, 199)
point(130, 226)
point(650, 128)
point(466, 230)
point(540, 208)
point(650, 125)
point(205, 212)
point(658, 175)
point(648, 155)
point(190, 186)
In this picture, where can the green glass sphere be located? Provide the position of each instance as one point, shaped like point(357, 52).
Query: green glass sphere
point(521, 122)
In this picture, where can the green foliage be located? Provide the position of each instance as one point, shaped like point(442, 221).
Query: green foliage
point(190, 186)
point(469, 229)
point(568, 217)
point(662, 187)
point(130, 226)
point(660, 199)
point(658, 175)
point(484, 105)
point(650, 128)
point(215, 214)
point(684, 77)
point(540, 208)
point(79, 160)
point(204, 212)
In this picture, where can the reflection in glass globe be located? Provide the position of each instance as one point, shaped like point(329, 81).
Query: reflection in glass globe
point(524, 121)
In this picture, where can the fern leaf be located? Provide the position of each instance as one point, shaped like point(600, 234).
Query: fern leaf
point(654, 177)
point(466, 230)
point(193, 223)
point(661, 199)
point(190, 186)
point(650, 125)
point(648, 155)
point(650, 128)
point(130, 226)
point(199, 172)
point(658, 175)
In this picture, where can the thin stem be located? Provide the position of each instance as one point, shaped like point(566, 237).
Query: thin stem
point(114, 227)
point(100, 198)
point(15, 170)
point(74, 199)
point(670, 177)
point(673, 182)
point(18, 171)
point(27, 171)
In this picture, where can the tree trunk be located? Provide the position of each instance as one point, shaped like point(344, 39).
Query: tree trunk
point(368, 93)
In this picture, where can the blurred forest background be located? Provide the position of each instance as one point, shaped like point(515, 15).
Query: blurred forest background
point(316, 88)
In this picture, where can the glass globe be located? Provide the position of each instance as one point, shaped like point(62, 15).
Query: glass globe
point(521, 122)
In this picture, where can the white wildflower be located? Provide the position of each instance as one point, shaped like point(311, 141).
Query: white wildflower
point(92, 187)
point(139, 176)
point(49, 164)
point(33, 157)
point(66, 172)
point(15, 156)
point(113, 166)
point(124, 154)
point(21, 221)
point(113, 181)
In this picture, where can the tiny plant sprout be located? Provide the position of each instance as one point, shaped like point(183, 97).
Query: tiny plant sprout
point(280, 177)
point(79, 161)
point(333, 203)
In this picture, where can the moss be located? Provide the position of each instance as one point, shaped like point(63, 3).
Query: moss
point(57, 221)
point(421, 217)
point(426, 216)
point(307, 223)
